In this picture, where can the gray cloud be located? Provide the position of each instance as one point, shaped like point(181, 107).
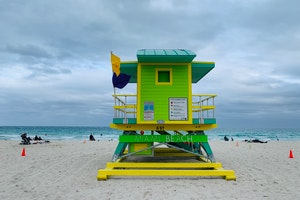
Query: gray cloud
point(55, 65)
point(28, 50)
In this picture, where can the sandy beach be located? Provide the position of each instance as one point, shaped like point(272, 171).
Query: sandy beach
point(68, 170)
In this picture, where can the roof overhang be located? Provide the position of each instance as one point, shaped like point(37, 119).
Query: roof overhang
point(165, 55)
point(200, 69)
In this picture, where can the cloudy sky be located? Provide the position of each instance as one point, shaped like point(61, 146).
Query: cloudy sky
point(55, 56)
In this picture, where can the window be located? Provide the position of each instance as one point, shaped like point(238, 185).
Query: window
point(163, 76)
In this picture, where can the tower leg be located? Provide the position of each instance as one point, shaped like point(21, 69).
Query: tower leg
point(122, 146)
point(119, 151)
point(208, 151)
point(205, 146)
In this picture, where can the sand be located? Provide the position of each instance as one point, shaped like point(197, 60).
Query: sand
point(68, 170)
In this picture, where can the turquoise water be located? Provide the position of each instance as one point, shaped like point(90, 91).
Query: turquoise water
point(106, 133)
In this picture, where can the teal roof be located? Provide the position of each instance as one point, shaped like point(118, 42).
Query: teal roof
point(165, 55)
point(200, 69)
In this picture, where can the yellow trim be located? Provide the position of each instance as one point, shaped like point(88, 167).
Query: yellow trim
point(165, 64)
point(138, 102)
point(166, 70)
point(126, 106)
point(190, 99)
point(164, 127)
point(202, 108)
point(203, 62)
point(165, 122)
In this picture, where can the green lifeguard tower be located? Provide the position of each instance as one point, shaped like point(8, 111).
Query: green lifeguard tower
point(163, 124)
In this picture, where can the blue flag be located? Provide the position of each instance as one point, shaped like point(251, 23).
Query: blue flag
point(120, 81)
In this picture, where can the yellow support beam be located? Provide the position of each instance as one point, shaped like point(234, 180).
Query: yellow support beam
point(161, 165)
point(164, 169)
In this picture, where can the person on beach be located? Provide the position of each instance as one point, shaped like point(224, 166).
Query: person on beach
point(226, 138)
point(92, 137)
point(37, 138)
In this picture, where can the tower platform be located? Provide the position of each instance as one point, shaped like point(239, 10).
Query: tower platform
point(164, 155)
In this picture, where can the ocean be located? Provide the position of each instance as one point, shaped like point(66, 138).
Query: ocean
point(106, 133)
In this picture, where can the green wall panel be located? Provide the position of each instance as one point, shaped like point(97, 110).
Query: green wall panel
point(160, 94)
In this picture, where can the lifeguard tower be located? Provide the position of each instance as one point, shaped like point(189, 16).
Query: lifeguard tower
point(163, 124)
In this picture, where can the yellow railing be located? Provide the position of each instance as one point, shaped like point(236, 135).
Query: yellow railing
point(202, 105)
point(125, 105)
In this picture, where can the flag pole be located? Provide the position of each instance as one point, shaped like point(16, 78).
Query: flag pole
point(114, 91)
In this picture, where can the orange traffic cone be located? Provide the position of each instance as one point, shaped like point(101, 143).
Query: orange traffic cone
point(291, 154)
point(23, 152)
